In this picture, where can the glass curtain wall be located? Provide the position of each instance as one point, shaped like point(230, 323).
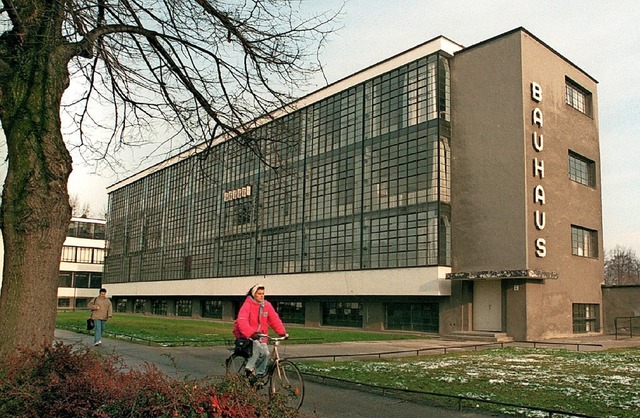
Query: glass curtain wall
point(358, 180)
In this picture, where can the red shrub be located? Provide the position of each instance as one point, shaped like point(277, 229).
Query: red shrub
point(69, 381)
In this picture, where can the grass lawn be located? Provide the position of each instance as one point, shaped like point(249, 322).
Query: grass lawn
point(601, 384)
point(187, 331)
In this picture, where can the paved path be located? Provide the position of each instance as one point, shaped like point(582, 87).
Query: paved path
point(320, 400)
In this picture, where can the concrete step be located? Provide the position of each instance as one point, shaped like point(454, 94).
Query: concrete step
point(487, 336)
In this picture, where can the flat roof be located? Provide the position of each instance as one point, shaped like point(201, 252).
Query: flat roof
point(439, 43)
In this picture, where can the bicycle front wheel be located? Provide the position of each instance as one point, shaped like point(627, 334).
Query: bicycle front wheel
point(235, 364)
point(286, 383)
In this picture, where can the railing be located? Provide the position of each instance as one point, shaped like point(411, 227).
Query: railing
point(445, 349)
point(407, 352)
point(537, 344)
point(621, 321)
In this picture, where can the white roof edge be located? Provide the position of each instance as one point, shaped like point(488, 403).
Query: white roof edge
point(88, 220)
point(439, 43)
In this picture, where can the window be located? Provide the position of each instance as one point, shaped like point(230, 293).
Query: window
point(159, 306)
point(96, 281)
point(291, 312)
point(211, 309)
point(84, 230)
point(243, 213)
point(98, 256)
point(99, 231)
point(586, 318)
point(578, 97)
point(121, 305)
point(83, 254)
point(89, 230)
point(139, 306)
point(81, 279)
point(584, 242)
point(342, 314)
point(64, 279)
point(183, 307)
point(69, 254)
point(423, 317)
point(582, 170)
point(64, 303)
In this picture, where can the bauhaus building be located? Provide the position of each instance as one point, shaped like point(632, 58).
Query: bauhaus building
point(446, 189)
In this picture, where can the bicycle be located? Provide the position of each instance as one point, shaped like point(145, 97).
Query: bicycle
point(282, 377)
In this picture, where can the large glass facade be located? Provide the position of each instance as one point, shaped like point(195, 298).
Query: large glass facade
point(358, 180)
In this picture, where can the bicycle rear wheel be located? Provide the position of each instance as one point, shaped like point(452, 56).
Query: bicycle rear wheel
point(287, 383)
point(235, 364)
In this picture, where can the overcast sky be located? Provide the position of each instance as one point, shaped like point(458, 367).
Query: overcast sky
point(602, 38)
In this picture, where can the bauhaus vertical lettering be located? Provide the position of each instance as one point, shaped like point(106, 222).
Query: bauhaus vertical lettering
point(539, 197)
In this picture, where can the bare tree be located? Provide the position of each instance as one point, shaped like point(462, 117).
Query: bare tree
point(202, 68)
point(79, 209)
point(621, 266)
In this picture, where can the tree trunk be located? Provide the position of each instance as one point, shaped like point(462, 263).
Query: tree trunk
point(35, 210)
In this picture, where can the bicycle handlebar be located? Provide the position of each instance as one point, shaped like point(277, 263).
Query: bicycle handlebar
point(286, 336)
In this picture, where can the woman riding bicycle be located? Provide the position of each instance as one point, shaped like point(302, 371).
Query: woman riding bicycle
point(254, 319)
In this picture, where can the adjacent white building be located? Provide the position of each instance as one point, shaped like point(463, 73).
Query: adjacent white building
point(81, 263)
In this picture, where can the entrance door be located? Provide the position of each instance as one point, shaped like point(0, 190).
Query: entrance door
point(487, 305)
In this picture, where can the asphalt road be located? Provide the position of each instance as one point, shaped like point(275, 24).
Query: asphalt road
point(320, 400)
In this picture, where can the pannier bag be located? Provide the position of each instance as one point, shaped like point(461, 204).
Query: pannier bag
point(243, 347)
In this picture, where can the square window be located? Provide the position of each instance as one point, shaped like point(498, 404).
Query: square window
point(586, 318)
point(582, 170)
point(578, 97)
point(584, 242)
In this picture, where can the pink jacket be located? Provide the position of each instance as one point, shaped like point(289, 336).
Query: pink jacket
point(247, 322)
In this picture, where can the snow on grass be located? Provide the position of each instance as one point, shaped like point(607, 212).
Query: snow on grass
point(593, 383)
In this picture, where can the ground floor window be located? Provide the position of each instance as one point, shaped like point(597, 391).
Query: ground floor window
point(139, 306)
point(586, 318)
point(211, 309)
point(64, 279)
point(291, 312)
point(423, 317)
point(159, 306)
point(121, 305)
point(184, 307)
point(342, 314)
point(64, 302)
point(82, 303)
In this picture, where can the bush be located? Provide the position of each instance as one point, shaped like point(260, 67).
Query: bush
point(70, 381)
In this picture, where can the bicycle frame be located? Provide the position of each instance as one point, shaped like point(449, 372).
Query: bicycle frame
point(282, 377)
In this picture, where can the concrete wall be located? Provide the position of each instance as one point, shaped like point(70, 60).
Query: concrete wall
point(487, 158)
point(620, 301)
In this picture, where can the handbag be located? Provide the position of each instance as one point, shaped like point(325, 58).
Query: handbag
point(243, 347)
point(90, 323)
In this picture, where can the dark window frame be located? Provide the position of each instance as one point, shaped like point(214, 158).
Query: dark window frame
point(582, 170)
point(578, 97)
point(586, 318)
point(584, 242)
